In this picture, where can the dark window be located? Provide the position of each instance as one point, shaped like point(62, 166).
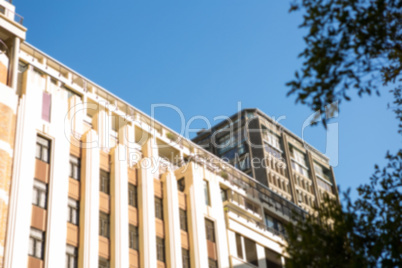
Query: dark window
point(181, 184)
point(239, 246)
point(71, 257)
point(104, 224)
point(104, 181)
point(73, 211)
point(210, 230)
point(36, 243)
point(224, 194)
point(273, 259)
point(212, 263)
point(183, 220)
point(158, 208)
point(39, 194)
point(74, 167)
point(206, 193)
point(132, 195)
point(103, 263)
point(160, 249)
point(42, 149)
point(185, 255)
point(133, 236)
point(251, 251)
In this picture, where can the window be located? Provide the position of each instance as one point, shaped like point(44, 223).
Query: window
point(273, 259)
point(36, 243)
point(181, 184)
point(251, 251)
point(158, 208)
point(185, 255)
point(274, 225)
point(132, 195)
point(210, 230)
point(212, 263)
point(103, 263)
point(104, 182)
point(42, 149)
point(71, 257)
point(183, 220)
point(104, 224)
point(133, 236)
point(224, 195)
point(39, 195)
point(206, 193)
point(72, 212)
point(74, 167)
point(160, 249)
point(239, 246)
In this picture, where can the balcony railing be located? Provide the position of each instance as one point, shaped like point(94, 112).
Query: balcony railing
point(255, 189)
point(10, 14)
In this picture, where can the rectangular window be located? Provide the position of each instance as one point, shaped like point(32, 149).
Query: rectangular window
point(160, 249)
point(71, 257)
point(73, 211)
point(39, 195)
point(210, 230)
point(239, 246)
point(185, 255)
point(104, 224)
point(181, 184)
point(132, 195)
point(251, 251)
point(104, 181)
point(36, 243)
point(183, 220)
point(206, 193)
point(46, 105)
point(74, 167)
point(224, 195)
point(212, 263)
point(133, 236)
point(42, 149)
point(273, 259)
point(158, 208)
point(103, 263)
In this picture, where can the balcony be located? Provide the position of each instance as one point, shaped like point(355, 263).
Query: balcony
point(11, 15)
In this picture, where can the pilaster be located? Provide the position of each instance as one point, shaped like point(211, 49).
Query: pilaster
point(172, 225)
point(119, 208)
point(89, 211)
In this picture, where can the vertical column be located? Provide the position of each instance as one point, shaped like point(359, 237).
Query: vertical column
point(314, 178)
point(14, 65)
point(89, 212)
point(76, 116)
point(58, 187)
point(172, 225)
point(146, 200)
point(262, 263)
point(119, 208)
point(289, 167)
point(19, 220)
point(147, 214)
point(221, 234)
point(102, 123)
point(196, 203)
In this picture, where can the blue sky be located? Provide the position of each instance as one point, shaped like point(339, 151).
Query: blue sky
point(204, 57)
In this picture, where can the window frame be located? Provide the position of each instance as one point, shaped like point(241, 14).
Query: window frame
point(132, 195)
point(37, 237)
point(40, 188)
point(133, 237)
point(104, 224)
point(73, 207)
point(159, 208)
point(104, 182)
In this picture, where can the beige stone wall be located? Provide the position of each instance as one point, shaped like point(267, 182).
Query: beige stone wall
point(7, 126)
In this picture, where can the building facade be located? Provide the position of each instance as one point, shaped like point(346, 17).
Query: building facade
point(87, 180)
point(265, 150)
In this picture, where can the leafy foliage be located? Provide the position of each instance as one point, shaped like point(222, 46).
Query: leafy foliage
point(350, 45)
